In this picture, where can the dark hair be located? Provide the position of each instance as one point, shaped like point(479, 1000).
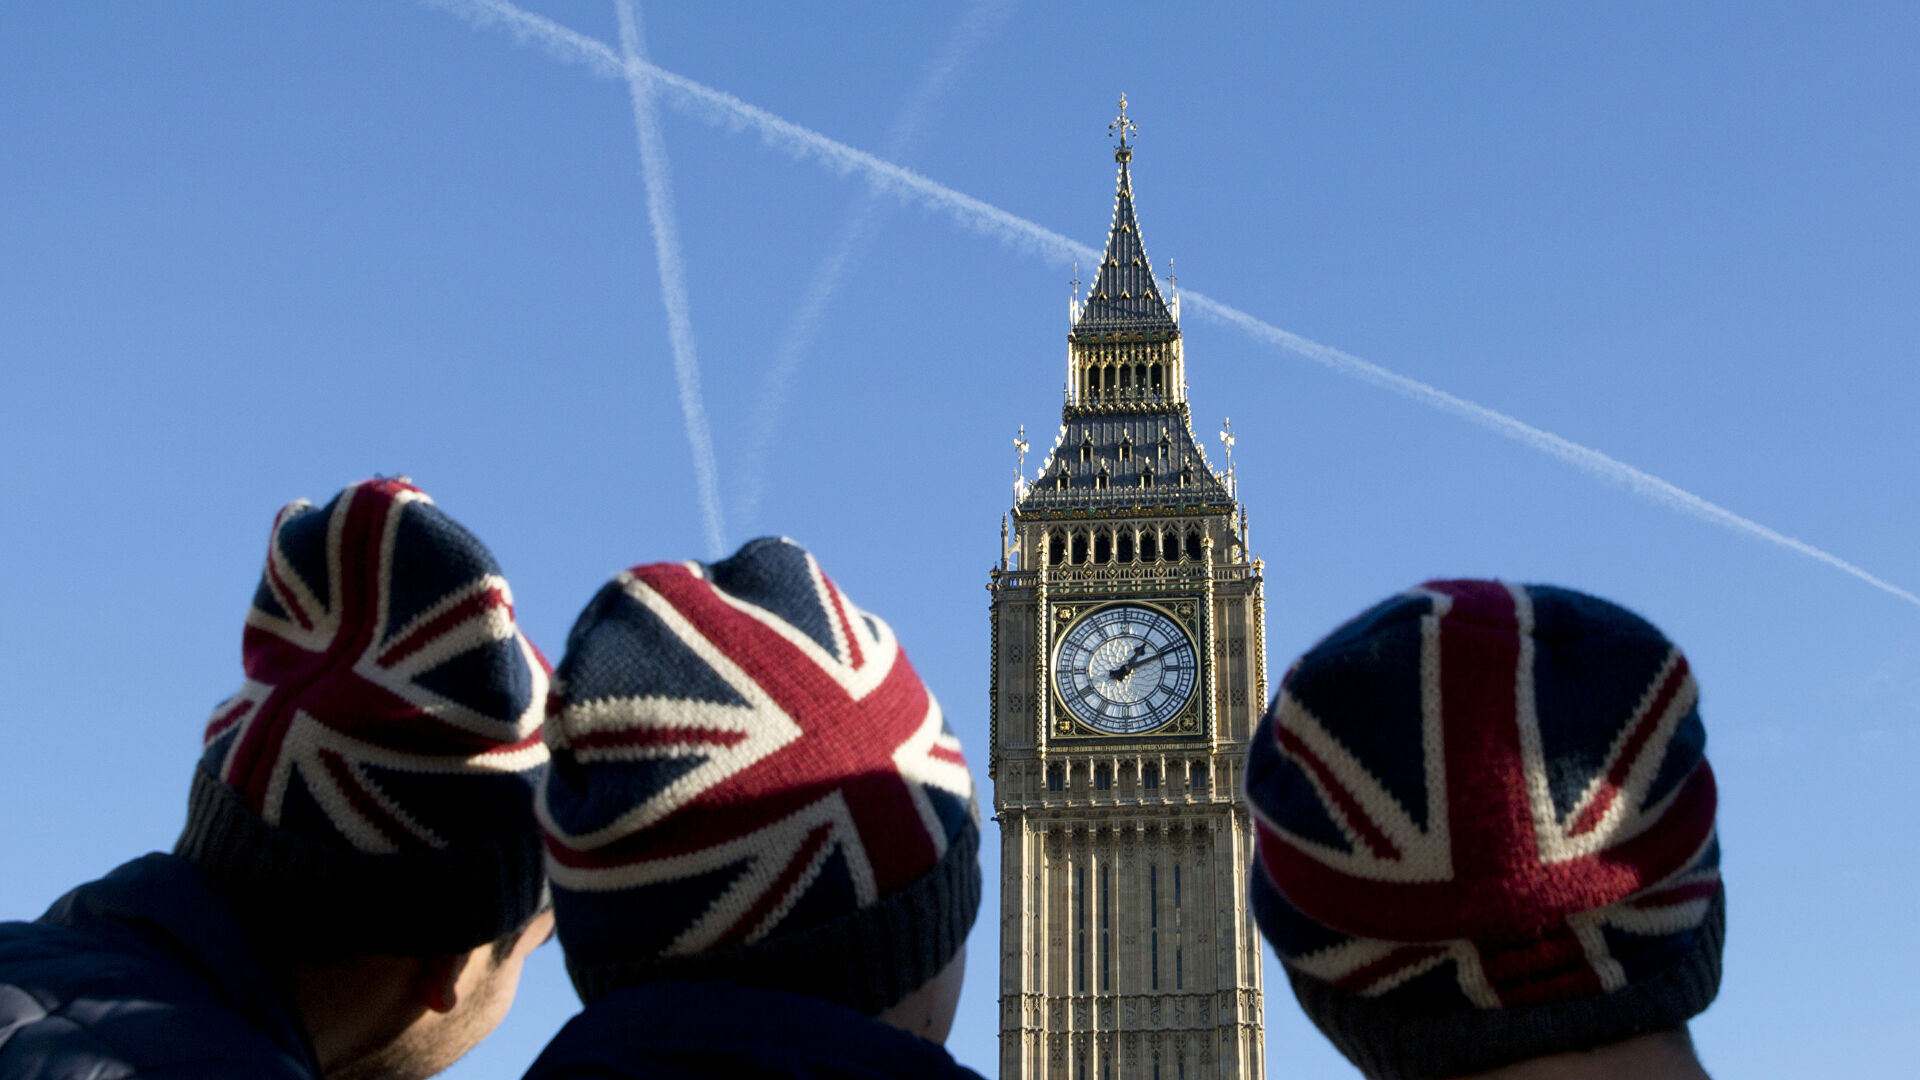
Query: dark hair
point(504, 945)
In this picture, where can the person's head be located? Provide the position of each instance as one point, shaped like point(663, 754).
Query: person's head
point(750, 784)
point(1486, 832)
point(365, 799)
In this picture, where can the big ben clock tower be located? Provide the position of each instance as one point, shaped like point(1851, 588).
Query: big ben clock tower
point(1129, 668)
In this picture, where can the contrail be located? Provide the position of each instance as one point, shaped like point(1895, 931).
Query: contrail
point(980, 22)
point(724, 110)
point(1586, 459)
point(655, 170)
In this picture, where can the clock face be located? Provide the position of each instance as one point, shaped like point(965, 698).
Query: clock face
point(1125, 670)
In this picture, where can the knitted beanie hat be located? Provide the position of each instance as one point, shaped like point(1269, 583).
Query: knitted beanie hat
point(1485, 830)
point(369, 789)
point(751, 784)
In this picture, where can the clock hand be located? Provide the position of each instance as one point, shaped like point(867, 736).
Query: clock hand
point(1126, 666)
point(1136, 661)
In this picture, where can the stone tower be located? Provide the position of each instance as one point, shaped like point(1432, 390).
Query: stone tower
point(1129, 668)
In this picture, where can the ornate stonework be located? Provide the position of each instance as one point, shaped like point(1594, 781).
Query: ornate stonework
point(1129, 668)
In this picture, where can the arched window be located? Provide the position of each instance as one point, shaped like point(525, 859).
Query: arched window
point(1079, 549)
point(1056, 778)
point(1153, 379)
point(1103, 777)
point(1102, 547)
point(1193, 543)
point(1057, 545)
point(1170, 545)
point(1166, 444)
point(1149, 546)
point(1126, 377)
point(1108, 379)
point(1123, 546)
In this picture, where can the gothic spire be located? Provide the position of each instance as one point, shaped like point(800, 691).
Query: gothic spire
point(1126, 437)
point(1124, 297)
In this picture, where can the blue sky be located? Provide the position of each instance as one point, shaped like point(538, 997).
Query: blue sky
point(253, 252)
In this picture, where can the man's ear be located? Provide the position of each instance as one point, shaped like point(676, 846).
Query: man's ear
point(439, 981)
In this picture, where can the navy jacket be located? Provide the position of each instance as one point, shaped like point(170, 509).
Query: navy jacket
point(693, 1031)
point(142, 974)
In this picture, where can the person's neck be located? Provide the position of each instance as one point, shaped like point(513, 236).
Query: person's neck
point(928, 1011)
point(1666, 1055)
point(350, 1006)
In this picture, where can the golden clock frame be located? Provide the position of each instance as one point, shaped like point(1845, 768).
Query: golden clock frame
point(1182, 609)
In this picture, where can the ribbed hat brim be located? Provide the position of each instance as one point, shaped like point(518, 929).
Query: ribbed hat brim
point(317, 898)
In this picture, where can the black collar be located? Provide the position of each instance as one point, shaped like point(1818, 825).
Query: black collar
point(163, 904)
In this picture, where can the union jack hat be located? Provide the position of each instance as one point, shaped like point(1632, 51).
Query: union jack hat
point(1486, 830)
point(751, 784)
point(370, 787)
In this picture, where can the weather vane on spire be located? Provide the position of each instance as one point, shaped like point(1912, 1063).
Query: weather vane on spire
point(1226, 440)
point(1020, 471)
point(1123, 127)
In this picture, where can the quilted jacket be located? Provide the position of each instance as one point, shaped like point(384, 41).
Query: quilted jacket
point(142, 974)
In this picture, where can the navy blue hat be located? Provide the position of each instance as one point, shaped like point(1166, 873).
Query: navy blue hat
point(751, 784)
point(369, 789)
point(1485, 826)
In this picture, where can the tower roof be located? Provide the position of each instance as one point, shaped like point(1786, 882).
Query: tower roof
point(1126, 441)
point(1124, 297)
point(1124, 462)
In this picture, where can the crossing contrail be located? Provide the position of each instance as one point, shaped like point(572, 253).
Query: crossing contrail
point(1584, 458)
point(658, 176)
point(980, 22)
point(723, 110)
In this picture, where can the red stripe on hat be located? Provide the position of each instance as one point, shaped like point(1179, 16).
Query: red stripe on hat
point(771, 898)
point(1356, 816)
point(222, 721)
point(691, 737)
point(282, 592)
point(854, 658)
point(1489, 812)
point(367, 807)
point(420, 636)
point(1637, 737)
point(1552, 967)
point(1360, 978)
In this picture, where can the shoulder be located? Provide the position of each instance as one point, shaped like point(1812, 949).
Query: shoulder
point(76, 1003)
